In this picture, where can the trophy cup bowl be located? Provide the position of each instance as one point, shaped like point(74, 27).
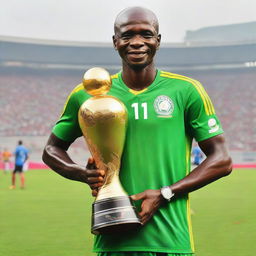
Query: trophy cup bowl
point(103, 121)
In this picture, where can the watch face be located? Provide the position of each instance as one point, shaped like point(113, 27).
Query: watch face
point(167, 193)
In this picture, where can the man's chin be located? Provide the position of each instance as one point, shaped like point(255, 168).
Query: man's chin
point(138, 66)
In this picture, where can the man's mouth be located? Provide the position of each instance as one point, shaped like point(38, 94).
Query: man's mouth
point(137, 52)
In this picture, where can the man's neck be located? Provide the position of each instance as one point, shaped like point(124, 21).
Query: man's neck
point(139, 79)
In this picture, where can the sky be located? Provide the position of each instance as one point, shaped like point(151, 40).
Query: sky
point(92, 21)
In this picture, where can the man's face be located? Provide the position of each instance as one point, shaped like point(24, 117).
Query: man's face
point(137, 42)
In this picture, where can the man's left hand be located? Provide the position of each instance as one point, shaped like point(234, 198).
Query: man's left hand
point(152, 200)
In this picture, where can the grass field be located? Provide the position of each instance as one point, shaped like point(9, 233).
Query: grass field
point(51, 217)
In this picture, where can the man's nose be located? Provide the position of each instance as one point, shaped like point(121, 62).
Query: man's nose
point(137, 41)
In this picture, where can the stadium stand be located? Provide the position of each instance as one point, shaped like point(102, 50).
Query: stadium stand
point(32, 100)
point(30, 103)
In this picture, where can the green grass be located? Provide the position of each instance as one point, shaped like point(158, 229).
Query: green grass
point(51, 217)
point(224, 220)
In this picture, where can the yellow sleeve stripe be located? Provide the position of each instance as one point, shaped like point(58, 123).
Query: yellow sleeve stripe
point(188, 156)
point(76, 89)
point(114, 76)
point(190, 225)
point(207, 102)
point(208, 106)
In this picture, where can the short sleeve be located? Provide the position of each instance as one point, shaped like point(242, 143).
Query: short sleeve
point(67, 127)
point(201, 120)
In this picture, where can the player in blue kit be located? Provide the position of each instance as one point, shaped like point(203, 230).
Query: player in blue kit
point(197, 155)
point(21, 156)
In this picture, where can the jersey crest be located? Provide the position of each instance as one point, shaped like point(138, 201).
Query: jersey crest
point(163, 106)
point(212, 123)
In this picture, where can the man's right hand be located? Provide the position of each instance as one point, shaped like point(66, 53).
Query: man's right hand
point(94, 176)
point(56, 157)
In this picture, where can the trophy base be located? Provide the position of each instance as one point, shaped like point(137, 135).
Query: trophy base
point(112, 215)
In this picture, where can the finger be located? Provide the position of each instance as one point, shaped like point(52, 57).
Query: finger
point(91, 164)
point(145, 220)
point(146, 212)
point(102, 173)
point(95, 173)
point(95, 179)
point(145, 217)
point(94, 192)
point(139, 196)
point(96, 185)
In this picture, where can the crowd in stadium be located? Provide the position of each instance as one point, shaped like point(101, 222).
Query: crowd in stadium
point(233, 94)
point(31, 102)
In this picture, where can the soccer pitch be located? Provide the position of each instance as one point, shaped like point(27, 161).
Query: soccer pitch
point(51, 217)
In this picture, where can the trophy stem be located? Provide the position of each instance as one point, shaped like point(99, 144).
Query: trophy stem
point(113, 188)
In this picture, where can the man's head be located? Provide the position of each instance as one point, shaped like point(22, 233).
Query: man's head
point(20, 142)
point(136, 36)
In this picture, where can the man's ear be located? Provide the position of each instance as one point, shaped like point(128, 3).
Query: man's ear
point(159, 41)
point(114, 41)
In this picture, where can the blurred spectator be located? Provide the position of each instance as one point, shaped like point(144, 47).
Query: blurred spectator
point(197, 155)
point(6, 158)
point(21, 156)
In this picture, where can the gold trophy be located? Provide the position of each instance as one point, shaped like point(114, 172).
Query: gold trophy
point(103, 121)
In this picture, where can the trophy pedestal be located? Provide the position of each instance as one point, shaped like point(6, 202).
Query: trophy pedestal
point(112, 215)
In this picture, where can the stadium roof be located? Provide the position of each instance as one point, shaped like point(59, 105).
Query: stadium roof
point(64, 54)
point(243, 32)
point(27, 40)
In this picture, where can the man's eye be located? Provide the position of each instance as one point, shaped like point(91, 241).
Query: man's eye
point(148, 36)
point(143, 35)
point(126, 37)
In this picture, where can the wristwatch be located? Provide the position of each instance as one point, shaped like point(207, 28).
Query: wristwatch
point(167, 193)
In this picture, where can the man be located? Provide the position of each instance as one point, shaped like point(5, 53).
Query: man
point(165, 112)
point(21, 156)
point(6, 157)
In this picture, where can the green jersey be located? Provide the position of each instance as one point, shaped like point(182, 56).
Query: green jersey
point(162, 121)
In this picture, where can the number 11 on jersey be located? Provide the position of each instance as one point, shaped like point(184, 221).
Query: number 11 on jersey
point(144, 105)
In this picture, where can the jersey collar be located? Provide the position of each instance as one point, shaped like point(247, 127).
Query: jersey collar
point(135, 92)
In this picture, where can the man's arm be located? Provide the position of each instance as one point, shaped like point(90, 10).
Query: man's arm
point(216, 165)
point(56, 157)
